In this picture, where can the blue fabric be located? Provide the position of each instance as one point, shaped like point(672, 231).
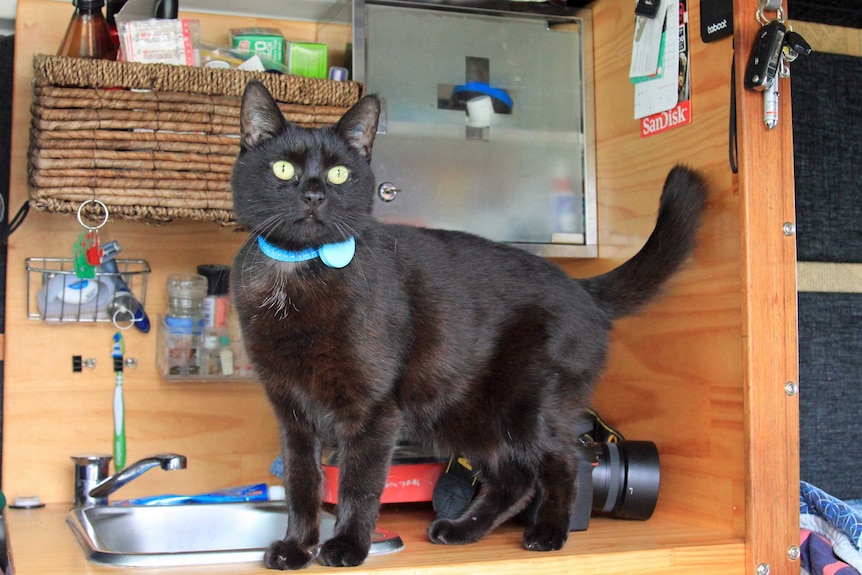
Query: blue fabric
point(817, 556)
point(847, 518)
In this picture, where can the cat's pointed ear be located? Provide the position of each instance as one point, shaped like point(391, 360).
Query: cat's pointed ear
point(260, 117)
point(359, 125)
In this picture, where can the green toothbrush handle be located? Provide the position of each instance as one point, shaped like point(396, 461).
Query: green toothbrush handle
point(119, 426)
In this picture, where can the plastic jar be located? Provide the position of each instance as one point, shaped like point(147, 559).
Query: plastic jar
point(186, 293)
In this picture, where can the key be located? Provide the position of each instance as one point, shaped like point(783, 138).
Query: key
point(784, 62)
point(765, 56)
point(796, 44)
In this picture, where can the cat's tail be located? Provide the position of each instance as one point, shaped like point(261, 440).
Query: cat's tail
point(625, 289)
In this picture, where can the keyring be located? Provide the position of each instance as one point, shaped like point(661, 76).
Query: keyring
point(779, 16)
point(122, 317)
point(117, 323)
point(81, 210)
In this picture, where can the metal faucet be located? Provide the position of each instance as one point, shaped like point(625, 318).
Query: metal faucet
point(93, 485)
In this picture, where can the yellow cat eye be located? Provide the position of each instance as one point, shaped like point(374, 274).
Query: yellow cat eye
point(338, 175)
point(283, 170)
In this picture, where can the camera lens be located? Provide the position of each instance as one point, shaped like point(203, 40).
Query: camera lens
point(626, 479)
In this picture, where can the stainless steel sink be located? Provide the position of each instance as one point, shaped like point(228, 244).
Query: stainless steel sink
point(198, 534)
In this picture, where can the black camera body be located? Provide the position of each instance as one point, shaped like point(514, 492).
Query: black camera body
point(616, 478)
point(621, 480)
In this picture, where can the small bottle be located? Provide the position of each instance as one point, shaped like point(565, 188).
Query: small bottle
point(226, 355)
point(210, 358)
point(185, 321)
point(88, 35)
point(216, 301)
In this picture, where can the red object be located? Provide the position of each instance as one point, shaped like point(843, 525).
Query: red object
point(93, 247)
point(406, 483)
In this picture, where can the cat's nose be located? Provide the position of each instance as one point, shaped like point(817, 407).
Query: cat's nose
point(313, 193)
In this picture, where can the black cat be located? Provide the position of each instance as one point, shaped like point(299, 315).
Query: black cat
point(363, 333)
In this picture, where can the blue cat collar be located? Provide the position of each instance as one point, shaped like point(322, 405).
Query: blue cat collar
point(336, 255)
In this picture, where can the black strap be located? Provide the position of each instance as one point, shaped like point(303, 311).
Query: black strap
point(732, 139)
point(17, 220)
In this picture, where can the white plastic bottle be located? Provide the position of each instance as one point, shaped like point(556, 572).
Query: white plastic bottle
point(226, 355)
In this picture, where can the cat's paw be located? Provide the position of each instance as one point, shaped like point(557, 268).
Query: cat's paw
point(343, 552)
point(284, 555)
point(449, 532)
point(544, 537)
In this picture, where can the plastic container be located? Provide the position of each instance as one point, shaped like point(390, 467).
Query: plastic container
point(185, 322)
point(186, 293)
point(88, 34)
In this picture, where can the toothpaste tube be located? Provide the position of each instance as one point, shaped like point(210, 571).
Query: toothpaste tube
point(254, 492)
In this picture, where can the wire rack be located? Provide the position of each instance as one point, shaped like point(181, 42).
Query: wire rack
point(55, 294)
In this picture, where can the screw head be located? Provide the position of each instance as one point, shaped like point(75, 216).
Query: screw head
point(791, 388)
point(794, 552)
point(387, 191)
point(763, 569)
point(789, 228)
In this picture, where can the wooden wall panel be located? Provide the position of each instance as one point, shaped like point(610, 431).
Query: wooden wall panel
point(225, 429)
point(650, 391)
point(675, 371)
point(696, 372)
point(766, 185)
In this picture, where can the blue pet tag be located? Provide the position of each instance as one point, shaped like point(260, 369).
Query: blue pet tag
point(338, 255)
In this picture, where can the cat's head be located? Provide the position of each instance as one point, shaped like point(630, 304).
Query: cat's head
point(302, 187)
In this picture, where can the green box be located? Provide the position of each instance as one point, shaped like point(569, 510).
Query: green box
point(307, 59)
point(268, 41)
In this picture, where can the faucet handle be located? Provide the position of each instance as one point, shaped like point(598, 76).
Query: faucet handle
point(92, 458)
point(167, 461)
point(90, 470)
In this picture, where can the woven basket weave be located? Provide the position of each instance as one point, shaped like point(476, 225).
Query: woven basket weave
point(163, 148)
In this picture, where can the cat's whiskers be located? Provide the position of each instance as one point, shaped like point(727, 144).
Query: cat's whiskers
point(267, 225)
point(276, 298)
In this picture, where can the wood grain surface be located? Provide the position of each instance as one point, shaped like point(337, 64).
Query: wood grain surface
point(701, 373)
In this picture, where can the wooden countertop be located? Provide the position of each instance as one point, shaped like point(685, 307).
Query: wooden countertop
point(41, 543)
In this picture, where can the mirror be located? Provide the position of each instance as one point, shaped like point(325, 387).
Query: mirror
point(487, 119)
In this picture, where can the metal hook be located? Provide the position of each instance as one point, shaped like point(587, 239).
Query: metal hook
point(81, 212)
point(764, 7)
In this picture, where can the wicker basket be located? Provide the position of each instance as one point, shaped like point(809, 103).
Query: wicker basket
point(161, 149)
